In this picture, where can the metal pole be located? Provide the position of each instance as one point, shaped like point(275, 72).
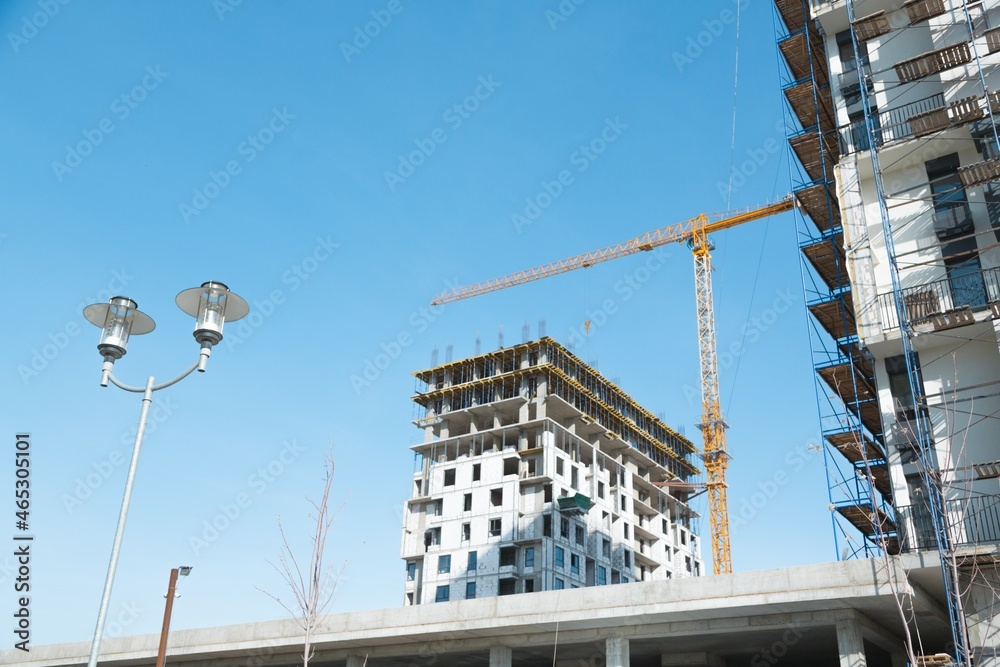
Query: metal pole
point(161, 655)
point(95, 647)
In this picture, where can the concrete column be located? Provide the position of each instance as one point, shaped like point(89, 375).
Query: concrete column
point(850, 644)
point(500, 656)
point(616, 652)
point(356, 660)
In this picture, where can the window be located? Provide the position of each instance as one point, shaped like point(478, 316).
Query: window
point(951, 205)
point(449, 477)
point(559, 584)
point(510, 466)
point(606, 548)
point(508, 556)
point(616, 577)
point(564, 527)
point(473, 559)
point(965, 273)
point(559, 466)
point(436, 508)
point(845, 48)
point(529, 557)
point(687, 563)
point(470, 590)
point(442, 594)
point(580, 535)
point(496, 497)
point(625, 531)
point(666, 528)
point(600, 489)
point(529, 585)
point(899, 386)
point(467, 503)
point(477, 469)
point(628, 558)
point(494, 527)
point(560, 556)
point(411, 570)
point(507, 586)
point(466, 532)
point(574, 563)
point(574, 477)
point(547, 493)
point(602, 575)
point(547, 525)
point(432, 537)
point(444, 564)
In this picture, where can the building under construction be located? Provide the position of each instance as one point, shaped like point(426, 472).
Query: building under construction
point(536, 473)
point(892, 114)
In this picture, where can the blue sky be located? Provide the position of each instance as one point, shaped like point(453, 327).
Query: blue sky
point(338, 181)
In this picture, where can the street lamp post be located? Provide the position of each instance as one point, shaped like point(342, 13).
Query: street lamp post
point(161, 654)
point(211, 305)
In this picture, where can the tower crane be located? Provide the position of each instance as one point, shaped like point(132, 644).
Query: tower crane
point(695, 233)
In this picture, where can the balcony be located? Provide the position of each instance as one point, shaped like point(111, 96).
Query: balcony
point(972, 521)
point(933, 62)
point(871, 26)
point(891, 125)
point(945, 303)
point(993, 40)
point(921, 10)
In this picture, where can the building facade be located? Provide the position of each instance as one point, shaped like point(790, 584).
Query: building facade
point(535, 474)
point(893, 110)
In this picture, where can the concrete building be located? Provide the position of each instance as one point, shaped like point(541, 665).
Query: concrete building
point(893, 108)
point(535, 474)
point(848, 614)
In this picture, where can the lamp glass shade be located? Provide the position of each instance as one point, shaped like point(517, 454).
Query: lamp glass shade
point(212, 305)
point(118, 319)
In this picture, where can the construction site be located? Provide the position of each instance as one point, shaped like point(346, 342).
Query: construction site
point(548, 508)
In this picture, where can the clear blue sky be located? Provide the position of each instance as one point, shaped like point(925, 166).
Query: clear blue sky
point(330, 180)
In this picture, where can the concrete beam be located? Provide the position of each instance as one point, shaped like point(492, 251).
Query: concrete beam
point(691, 660)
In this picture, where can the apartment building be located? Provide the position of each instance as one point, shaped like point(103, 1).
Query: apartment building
point(536, 473)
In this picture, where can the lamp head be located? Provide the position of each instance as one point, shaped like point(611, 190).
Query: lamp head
point(118, 319)
point(212, 305)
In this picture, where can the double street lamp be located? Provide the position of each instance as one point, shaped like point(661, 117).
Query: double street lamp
point(212, 305)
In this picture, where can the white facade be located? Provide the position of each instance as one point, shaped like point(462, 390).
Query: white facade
point(521, 491)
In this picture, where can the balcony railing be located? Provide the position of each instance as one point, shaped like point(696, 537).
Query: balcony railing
point(971, 521)
point(923, 302)
point(933, 62)
point(892, 125)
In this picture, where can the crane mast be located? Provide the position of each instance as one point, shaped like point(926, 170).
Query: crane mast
point(713, 427)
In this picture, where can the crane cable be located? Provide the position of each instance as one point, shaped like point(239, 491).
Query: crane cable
point(736, 86)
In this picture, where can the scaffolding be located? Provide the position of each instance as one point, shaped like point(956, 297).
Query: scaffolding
point(859, 490)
